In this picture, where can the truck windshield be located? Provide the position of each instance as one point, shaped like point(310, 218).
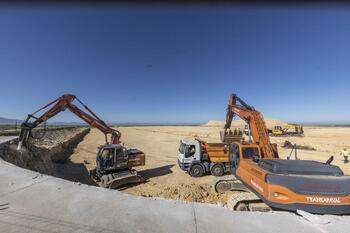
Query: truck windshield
point(182, 148)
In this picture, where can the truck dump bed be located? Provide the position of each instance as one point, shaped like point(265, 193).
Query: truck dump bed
point(217, 152)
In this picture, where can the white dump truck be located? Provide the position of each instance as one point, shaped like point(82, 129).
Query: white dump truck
point(198, 157)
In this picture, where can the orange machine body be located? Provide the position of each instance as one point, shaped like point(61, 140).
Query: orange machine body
point(324, 190)
point(285, 184)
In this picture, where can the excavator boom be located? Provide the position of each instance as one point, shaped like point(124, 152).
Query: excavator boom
point(255, 121)
point(59, 105)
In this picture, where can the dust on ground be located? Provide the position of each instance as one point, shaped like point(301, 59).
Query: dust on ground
point(164, 177)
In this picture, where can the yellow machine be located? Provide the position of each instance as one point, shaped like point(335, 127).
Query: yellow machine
point(288, 130)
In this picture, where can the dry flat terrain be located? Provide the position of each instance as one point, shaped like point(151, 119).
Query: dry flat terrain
point(166, 179)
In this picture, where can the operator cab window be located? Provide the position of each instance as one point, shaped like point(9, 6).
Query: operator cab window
point(107, 153)
point(191, 150)
point(249, 152)
point(120, 153)
point(234, 151)
point(106, 158)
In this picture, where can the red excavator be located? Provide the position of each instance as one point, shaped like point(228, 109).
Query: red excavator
point(113, 161)
point(261, 180)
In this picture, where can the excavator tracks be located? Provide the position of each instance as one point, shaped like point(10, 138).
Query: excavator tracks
point(242, 199)
point(119, 179)
point(228, 183)
point(246, 201)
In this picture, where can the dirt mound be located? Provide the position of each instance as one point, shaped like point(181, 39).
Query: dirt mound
point(188, 192)
point(287, 144)
point(59, 143)
point(270, 123)
point(55, 146)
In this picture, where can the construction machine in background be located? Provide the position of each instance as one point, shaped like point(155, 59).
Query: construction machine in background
point(287, 130)
point(261, 180)
point(114, 162)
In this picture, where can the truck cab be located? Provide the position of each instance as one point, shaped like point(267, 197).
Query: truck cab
point(189, 153)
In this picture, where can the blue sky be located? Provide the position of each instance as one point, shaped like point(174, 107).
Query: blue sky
point(177, 64)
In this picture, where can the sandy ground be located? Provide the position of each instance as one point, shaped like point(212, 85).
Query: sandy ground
point(164, 177)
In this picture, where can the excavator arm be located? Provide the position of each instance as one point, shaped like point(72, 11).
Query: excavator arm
point(59, 105)
point(255, 121)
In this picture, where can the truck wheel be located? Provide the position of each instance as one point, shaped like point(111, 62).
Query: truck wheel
point(217, 170)
point(196, 171)
point(104, 181)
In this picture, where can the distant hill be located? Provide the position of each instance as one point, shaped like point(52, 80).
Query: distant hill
point(270, 123)
point(7, 121)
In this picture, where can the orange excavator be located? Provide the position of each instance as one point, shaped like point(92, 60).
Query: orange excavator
point(113, 161)
point(263, 181)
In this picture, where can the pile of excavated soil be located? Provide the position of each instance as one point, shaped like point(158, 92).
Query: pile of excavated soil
point(58, 143)
point(270, 123)
point(188, 192)
point(288, 145)
point(40, 154)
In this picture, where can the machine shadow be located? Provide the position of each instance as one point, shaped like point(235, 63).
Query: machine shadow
point(155, 172)
point(150, 173)
point(76, 172)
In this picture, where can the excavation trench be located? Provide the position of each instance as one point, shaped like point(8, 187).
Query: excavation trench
point(48, 154)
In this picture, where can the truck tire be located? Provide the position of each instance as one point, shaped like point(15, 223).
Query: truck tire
point(196, 170)
point(217, 170)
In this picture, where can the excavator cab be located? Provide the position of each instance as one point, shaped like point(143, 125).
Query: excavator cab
point(112, 157)
point(243, 151)
point(113, 166)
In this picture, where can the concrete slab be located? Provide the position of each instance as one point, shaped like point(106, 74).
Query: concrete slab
point(4, 139)
point(11, 181)
point(229, 221)
point(94, 208)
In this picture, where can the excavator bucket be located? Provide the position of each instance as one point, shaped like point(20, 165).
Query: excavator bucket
point(231, 136)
